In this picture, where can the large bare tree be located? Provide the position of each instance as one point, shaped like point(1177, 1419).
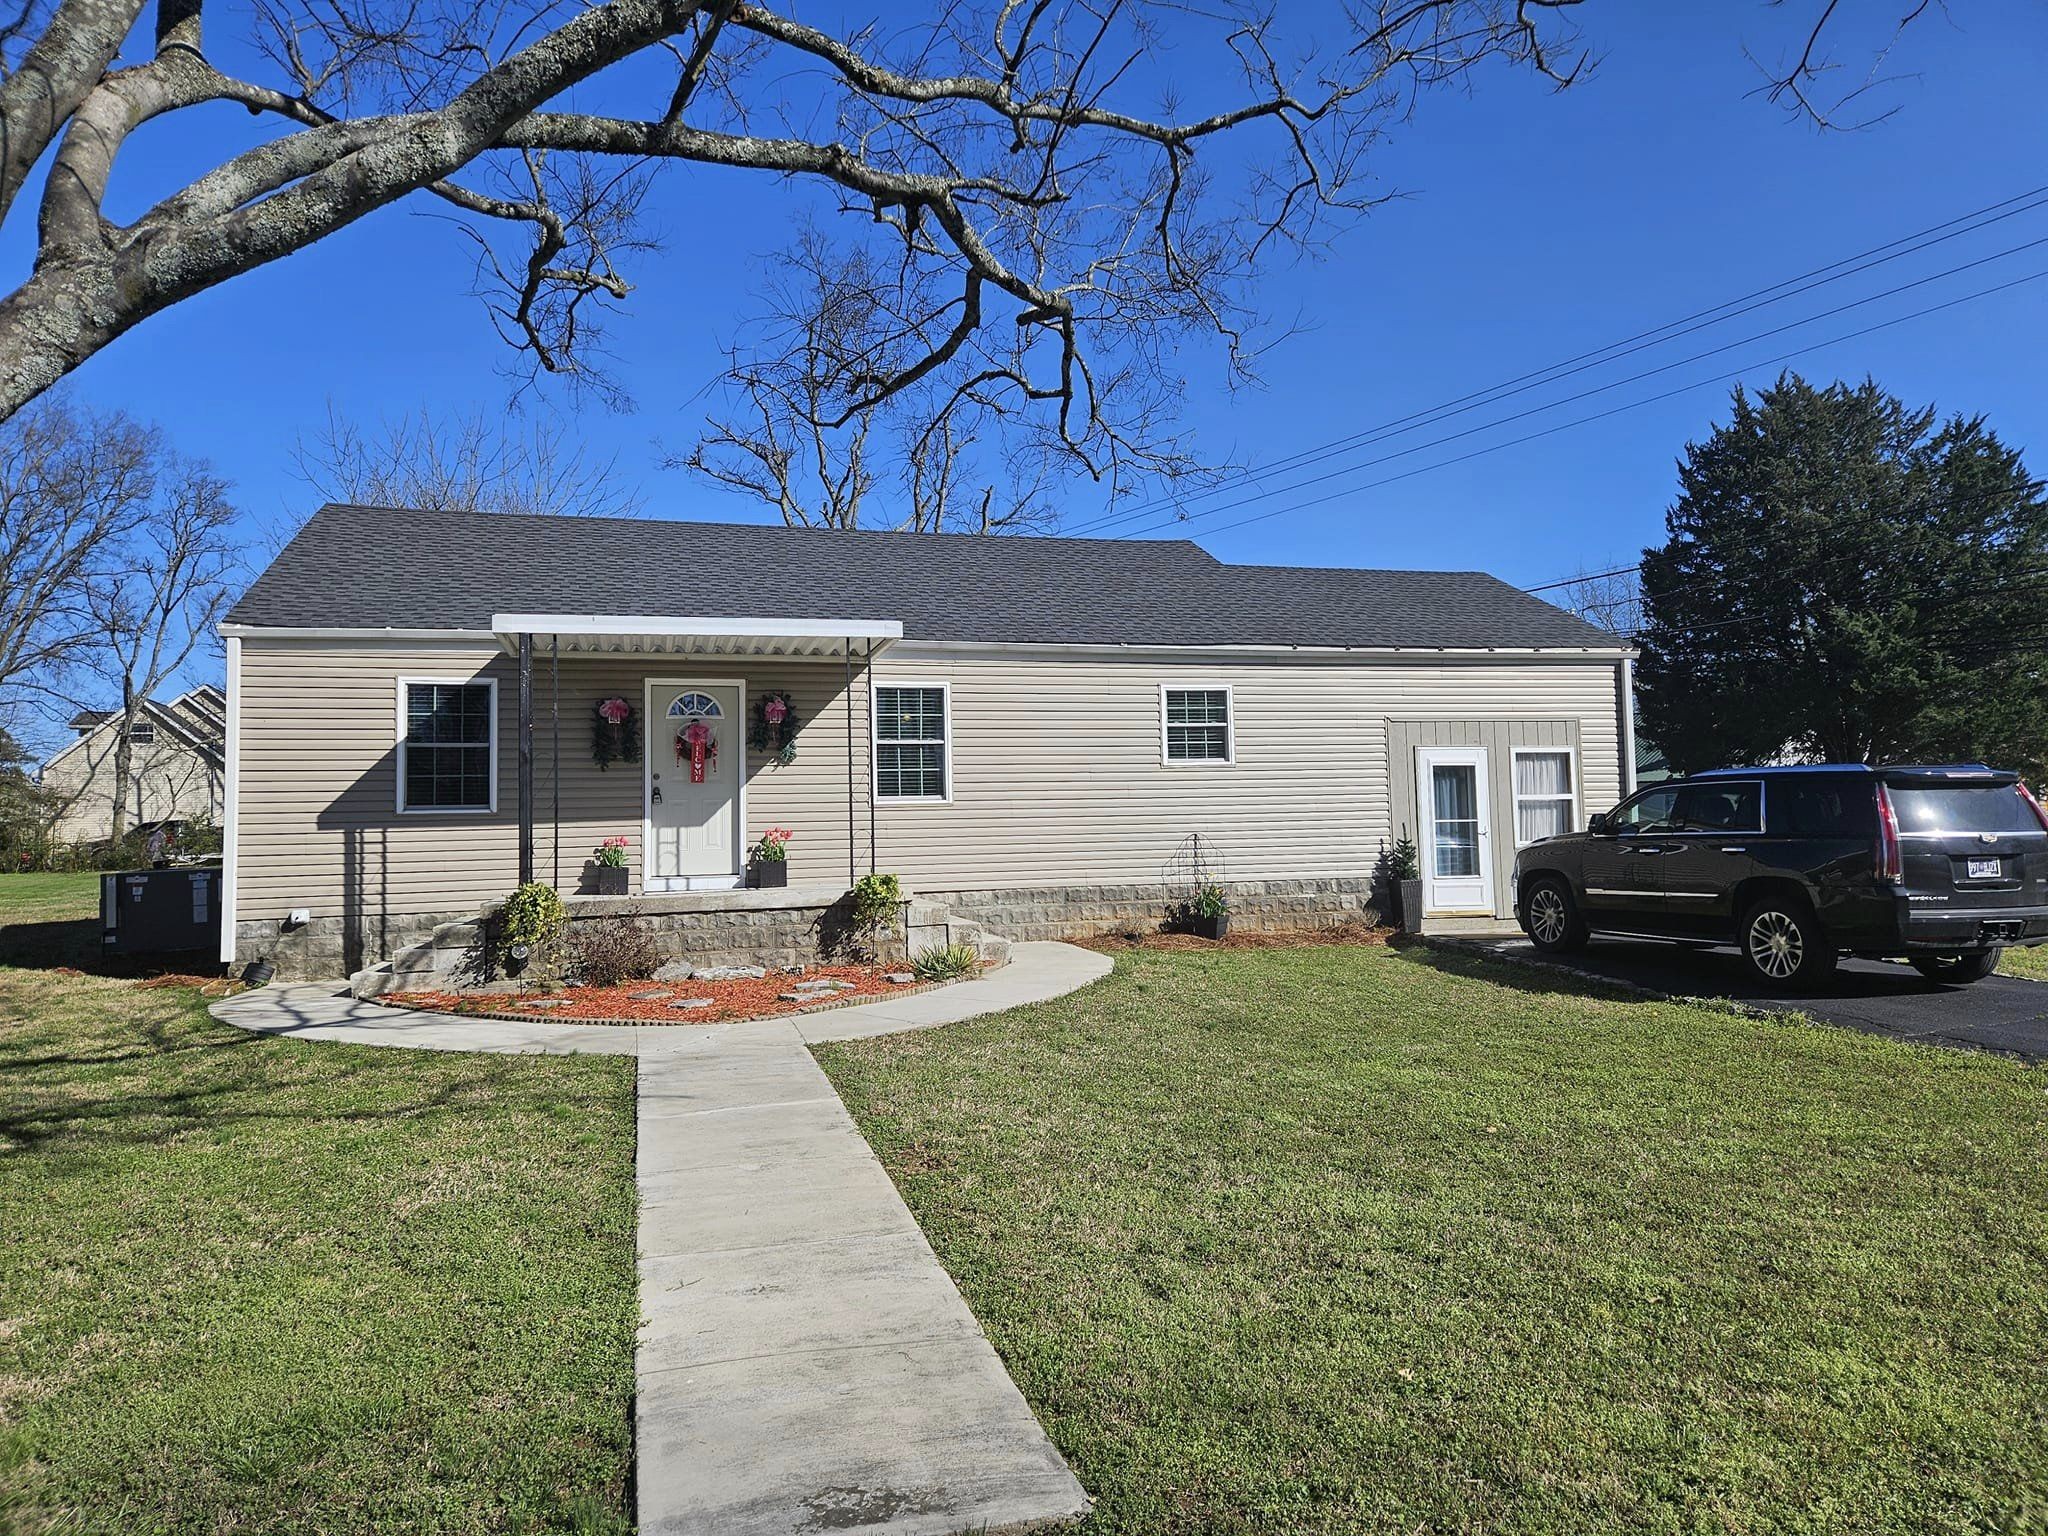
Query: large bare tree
point(160, 604)
point(462, 460)
point(74, 487)
point(1045, 211)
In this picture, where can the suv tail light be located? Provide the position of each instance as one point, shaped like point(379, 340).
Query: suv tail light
point(1891, 859)
point(2027, 795)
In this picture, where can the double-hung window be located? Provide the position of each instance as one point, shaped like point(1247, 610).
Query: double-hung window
point(912, 731)
point(447, 744)
point(142, 733)
point(1195, 725)
point(1546, 793)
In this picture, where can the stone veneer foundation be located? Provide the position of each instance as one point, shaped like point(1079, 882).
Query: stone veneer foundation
point(797, 925)
point(1028, 913)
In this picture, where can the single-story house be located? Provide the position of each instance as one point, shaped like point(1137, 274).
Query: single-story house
point(1045, 735)
point(176, 773)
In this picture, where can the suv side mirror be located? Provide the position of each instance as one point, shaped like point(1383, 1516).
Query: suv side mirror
point(1602, 825)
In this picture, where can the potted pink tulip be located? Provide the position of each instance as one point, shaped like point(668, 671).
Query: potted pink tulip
point(612, 874)
point(771, 859)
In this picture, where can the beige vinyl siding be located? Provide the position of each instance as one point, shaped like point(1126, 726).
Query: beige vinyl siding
point(1057, 773)
point(1055, 766)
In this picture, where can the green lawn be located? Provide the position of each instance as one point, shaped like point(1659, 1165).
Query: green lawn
point(253, 1285)
point(1343, 1239)
point(48, 898)
point(2030, 963)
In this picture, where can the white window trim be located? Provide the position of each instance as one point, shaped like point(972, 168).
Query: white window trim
point(1229, 757)
point(1516, 797)
point(398, 793)
point(875, 743)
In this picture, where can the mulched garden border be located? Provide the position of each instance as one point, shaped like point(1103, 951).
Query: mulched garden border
point(531, 1016)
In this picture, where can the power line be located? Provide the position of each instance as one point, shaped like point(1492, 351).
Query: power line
point(1581, 421)
point(1697, 320)
point(1601, 389)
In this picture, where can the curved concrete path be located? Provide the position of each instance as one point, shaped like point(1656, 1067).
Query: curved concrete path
point(805, 1364)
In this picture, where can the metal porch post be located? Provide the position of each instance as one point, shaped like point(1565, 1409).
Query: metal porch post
point(526, 759)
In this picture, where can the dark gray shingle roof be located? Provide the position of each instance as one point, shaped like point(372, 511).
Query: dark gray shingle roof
point(367, 567)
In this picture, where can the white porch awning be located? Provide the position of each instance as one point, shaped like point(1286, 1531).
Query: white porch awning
point(641, 634)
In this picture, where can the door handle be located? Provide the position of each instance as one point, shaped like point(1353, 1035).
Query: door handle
point(1738, 848)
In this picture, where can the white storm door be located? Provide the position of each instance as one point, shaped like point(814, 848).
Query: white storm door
point(696, 750)
point(1457, 838)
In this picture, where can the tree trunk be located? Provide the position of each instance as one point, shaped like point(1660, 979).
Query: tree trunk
point(124, 762)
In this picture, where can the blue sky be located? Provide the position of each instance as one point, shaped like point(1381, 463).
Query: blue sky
point(1539, 225)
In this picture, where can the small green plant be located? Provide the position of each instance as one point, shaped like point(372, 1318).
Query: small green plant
point(1210, 901)
point(875, 900)
point(774, 845)
point(1404, 863)
point(610, 854)
point(531, 924)
point(943, 962)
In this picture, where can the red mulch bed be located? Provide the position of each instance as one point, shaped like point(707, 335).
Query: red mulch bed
point(746, 999)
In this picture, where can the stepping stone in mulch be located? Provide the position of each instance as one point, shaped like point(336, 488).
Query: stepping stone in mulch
point(728, 973)
point(900, 978)
point(796, 997)
point(689, 1002)
point(651, 995)
point(546, 1002)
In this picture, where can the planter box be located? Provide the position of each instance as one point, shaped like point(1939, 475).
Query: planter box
point(770, 874)
point(1209, 927)
point(612, 880)
point(1411, 906)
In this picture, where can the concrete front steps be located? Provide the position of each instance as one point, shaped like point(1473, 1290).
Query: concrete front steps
point(933, 925)
point(454, 952)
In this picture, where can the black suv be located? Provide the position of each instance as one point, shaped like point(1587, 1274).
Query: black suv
point(1944, 866)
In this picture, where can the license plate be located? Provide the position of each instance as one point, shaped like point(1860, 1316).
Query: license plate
point(1985, 869)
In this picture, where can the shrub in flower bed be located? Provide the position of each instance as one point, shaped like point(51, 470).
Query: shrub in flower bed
point(613, 950)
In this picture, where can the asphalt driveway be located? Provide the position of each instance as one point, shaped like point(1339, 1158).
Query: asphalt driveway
point(2000, 1013)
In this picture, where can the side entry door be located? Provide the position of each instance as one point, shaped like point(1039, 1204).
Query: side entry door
point(1623, 884)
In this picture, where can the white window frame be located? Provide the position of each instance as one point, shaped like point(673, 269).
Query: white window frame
point(398, 794)
point(1516, 797)
point(875, 742)
point(1229, 757)
point(148, 736)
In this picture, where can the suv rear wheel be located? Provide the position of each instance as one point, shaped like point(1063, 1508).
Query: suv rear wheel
point(1784, 943)
point(1551, 918)
point(1958, 970)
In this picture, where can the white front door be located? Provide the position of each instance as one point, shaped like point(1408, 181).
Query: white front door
point(696, 751)
point(1457, 835)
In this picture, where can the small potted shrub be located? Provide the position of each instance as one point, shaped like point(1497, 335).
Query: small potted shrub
point(1208, 914)
point(771, 859)
point(610, 859)
point(1405, 872)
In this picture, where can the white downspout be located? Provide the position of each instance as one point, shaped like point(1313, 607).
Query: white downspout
point(1628, 728)
point(231, 802)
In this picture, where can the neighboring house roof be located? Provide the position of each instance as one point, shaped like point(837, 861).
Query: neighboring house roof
point(188, 726)
point(379, 568)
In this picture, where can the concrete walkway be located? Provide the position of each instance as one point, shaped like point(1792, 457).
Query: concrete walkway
point(805, 1364)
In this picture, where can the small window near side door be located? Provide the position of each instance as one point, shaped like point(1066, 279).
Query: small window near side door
point(1546, 793)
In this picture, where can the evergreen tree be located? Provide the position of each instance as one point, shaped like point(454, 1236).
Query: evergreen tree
point(1845, 579)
